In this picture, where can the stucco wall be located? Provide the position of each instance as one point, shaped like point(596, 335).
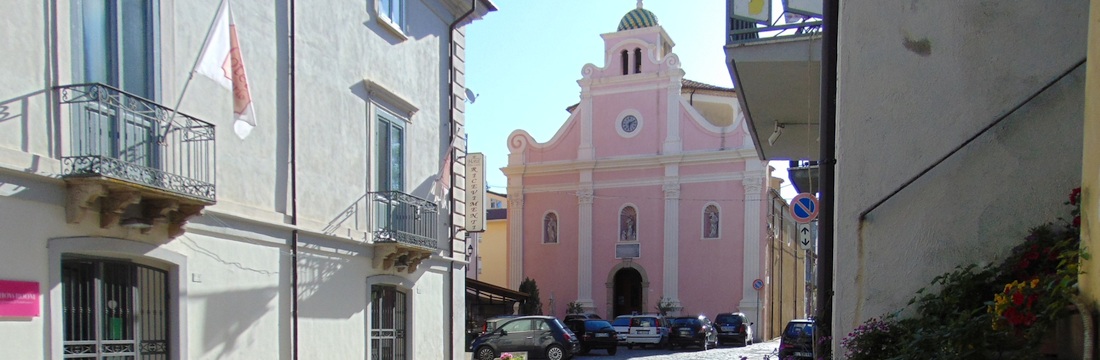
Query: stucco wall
point(1090, 174)
point(235, 296)
point(915, 80)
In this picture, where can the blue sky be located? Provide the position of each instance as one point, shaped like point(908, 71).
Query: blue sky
point(524, 60)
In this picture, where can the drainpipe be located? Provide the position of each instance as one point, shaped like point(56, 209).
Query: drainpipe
point(826, 219)
point(293, 137)
point(449, 296)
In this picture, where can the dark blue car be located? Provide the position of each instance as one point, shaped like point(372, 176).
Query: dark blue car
point(540, 336)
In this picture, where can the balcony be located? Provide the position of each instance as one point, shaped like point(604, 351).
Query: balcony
point(137, 163)
point(775, 65)
point(406, 230)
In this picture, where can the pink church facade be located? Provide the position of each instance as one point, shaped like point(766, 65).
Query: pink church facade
point(651, 191)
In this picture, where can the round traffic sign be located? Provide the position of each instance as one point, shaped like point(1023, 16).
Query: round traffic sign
point(804, 208)
point(757, 284)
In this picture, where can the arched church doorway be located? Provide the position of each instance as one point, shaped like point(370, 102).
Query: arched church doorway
point(627, 292)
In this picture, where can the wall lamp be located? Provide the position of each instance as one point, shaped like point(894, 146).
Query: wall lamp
point(775, 134)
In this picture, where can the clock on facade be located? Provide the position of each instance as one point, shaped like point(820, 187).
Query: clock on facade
point(629, 123)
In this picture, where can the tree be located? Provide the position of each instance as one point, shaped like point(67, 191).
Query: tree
point(574, 308)
point(533, 306)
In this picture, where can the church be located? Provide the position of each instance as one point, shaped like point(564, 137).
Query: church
point(650, 194)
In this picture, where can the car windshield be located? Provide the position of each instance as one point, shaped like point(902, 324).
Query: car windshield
point(685, 321)
point(643, 322)
point(597, 325)
point(728, 319)
point(623, 321)
point(799, 329)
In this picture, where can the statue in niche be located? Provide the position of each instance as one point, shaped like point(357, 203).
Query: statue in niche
point(712, 224)
point(551, 229)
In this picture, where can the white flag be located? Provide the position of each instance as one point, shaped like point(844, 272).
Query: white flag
point(221, 60)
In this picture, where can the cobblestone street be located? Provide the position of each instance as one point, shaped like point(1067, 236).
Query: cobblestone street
point(752, 352)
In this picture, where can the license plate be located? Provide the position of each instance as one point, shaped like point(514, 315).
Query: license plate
point(805, 354)
point(641, 331)
point(727, 328)
point(602, 335)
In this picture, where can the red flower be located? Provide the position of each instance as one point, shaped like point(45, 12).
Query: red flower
point(1074, 196)
point(1018, 299)
point(1077, 221)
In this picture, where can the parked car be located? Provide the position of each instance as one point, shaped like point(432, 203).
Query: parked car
point(492, 323)
point(540, 336)
point(733, 328)
point(581, 316)
point(622, 326)
point(797, 340)
point(647, 330)
point(595, 334)
point(692, 331)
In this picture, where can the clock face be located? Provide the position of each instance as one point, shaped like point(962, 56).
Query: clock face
point(629, 123)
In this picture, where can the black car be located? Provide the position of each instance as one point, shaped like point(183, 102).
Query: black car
point(797, 341)
point(595, 334)
point(733, 328)
point(581, 316)
point(539, 336)
point(693, 331)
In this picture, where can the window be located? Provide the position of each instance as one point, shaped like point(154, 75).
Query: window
point(390, 152)
point(114, 310)
point(637, 60)
point(394, 11)
point(115, 44)
point(628, 220)
point(710, 222)
point(626, 62)
point(550, 229)
point(388, 323)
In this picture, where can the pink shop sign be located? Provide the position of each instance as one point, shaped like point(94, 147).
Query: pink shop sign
point(18, 298)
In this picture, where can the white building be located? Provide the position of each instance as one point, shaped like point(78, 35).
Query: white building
point(149, 235)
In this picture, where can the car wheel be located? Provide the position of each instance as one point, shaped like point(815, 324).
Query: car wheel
point(612, 350)
point(486, 353)
point(555, 352)
point(630, 346)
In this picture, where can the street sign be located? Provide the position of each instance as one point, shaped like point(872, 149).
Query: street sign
point(804, 208)
point(757, 284)
point(804, 236)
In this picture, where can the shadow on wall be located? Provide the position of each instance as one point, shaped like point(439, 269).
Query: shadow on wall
point(231, 314)
point(331, 278)
point(16, 109)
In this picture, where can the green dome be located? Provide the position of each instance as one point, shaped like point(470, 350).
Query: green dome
point(637, 19)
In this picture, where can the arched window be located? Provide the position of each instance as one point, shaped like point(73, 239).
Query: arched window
point(550, 229)
point(628, 224)
point(626, 62)
point(637, 60)
point(710, 222)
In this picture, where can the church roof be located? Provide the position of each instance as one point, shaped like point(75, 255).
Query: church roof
point(637, 19)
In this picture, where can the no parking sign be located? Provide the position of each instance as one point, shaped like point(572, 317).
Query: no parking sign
point(804, 208)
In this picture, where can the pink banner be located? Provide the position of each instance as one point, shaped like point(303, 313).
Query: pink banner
point(18, 298)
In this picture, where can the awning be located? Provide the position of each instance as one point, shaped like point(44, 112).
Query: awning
point(492, 294)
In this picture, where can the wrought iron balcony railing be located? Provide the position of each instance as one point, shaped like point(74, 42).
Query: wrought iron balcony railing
point(122, 136)
point(405, 219)
point(742, 31)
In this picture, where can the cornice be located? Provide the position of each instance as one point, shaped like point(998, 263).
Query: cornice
point(646, 162)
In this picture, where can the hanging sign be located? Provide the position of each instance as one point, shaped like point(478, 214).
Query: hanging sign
point(475, 192)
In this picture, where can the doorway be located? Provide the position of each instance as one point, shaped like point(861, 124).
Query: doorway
point(627, 293)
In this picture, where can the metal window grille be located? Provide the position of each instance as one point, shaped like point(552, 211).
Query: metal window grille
point(388, 323)
point(114, 310)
